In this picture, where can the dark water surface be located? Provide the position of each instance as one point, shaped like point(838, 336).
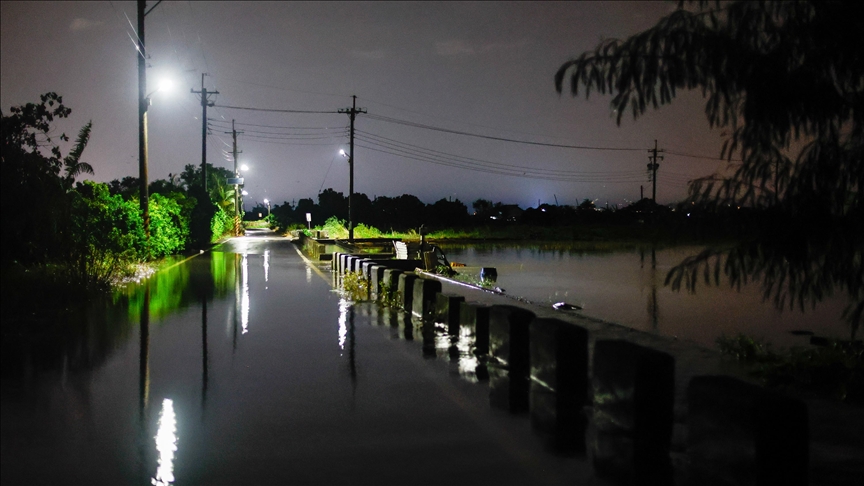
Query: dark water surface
point(242, 366)
point(627, 287)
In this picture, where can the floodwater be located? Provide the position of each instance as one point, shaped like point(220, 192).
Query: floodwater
point(627, 287)
point(243, 366)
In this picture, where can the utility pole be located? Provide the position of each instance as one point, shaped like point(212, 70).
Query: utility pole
point(144, 197)
point(653, 168)
point(236, 185)
point(204, 104)
point(352, 112)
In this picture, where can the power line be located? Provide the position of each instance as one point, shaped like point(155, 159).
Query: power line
point(272, 110)
point(422, 151)
point(489, 137)
point(278, 126)
point(705, 157)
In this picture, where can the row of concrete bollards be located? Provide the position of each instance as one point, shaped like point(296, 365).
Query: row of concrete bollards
point(619, 410)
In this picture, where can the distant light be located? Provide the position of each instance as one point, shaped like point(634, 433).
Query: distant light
point(245, 193)
point(266, 201)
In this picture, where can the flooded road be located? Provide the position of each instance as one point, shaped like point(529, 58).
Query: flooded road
point(242, 366)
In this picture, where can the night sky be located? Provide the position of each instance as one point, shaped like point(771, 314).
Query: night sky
point(481, 68)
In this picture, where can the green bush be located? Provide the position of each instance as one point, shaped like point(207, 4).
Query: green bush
point(356, 286)
point(169, 230)
point(221, 225)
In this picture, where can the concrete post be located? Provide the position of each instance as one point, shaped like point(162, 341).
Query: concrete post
point(559, 383)
point(634, 392)
point(740, 433)
point(474, 321)
point(425, 292)
point(391, 281)
point(376, 273)
point(509, 366)
point(406, 290)
point(447, 310)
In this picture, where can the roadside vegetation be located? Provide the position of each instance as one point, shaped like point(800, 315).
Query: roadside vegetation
point(833, 369)
point(65, 239)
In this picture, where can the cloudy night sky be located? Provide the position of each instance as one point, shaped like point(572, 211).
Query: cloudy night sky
point(443, 83)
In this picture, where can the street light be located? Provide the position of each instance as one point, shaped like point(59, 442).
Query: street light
point(267, 202)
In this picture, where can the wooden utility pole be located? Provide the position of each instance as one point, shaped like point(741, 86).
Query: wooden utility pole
point(652, 166)
point(352, 112)
point(236, 186)
point(204, 104)
point(143, 102)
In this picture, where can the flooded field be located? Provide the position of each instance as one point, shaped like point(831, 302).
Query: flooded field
point(627, 287)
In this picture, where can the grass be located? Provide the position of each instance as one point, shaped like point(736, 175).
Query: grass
point(356, 286)
point(835, 370)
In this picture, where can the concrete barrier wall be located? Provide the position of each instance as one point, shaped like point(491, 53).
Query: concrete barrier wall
point(743, 434)
point(617, 407)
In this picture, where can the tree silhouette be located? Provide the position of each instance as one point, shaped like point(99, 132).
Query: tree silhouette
point(785, 81)
point(773, 73)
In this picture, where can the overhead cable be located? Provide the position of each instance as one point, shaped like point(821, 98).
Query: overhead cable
point(502, 139)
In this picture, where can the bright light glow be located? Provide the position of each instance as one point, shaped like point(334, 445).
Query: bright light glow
point(342, 152)
point(266, 201)
point(266, 265)
point(244, 167)
point(166, 85)
point(166, 444)
point(244, 193)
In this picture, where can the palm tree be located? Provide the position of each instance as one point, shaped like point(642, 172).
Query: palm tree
point(73, 164)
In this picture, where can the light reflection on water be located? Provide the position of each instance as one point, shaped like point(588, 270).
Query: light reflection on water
point(344, 306)
point(627, 287)
point(244, 299)
point(166, 444)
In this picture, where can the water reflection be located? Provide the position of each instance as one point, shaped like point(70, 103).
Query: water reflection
point(627, 287)
point(792, 272)
point(166, 444)
point(244, 293)
point(267, 267)
point(344, 305)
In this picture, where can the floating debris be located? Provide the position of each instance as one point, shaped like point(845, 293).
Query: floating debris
point(565, 306)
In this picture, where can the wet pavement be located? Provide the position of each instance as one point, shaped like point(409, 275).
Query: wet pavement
point(244, 366)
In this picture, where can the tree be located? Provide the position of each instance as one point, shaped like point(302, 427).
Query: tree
point(773, 73)
point(30, 166)
point(785, 81)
